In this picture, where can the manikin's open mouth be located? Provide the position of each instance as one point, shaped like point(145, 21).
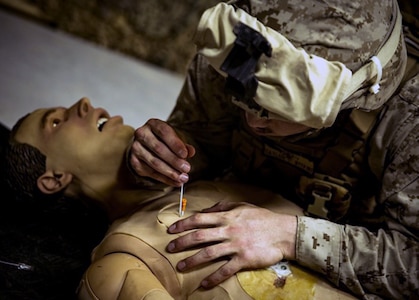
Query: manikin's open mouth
point(101, 122)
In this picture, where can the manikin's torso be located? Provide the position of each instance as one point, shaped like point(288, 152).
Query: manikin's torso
point(144, 235)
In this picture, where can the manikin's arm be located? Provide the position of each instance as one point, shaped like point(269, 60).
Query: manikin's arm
point(120, 276)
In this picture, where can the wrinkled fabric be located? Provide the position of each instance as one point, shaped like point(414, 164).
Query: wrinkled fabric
point(316, 42)
point(350, 32)
point(292, 84)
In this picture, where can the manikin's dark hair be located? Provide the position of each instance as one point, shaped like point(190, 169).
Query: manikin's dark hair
point(23, 164)
point(37, 231)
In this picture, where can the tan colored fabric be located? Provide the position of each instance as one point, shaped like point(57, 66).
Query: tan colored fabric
point(293, 84)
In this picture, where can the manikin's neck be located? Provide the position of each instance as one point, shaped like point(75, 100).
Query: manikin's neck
point(122, 194)
point(132, 199)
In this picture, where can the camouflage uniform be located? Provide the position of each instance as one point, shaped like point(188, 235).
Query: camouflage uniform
point(372, 249)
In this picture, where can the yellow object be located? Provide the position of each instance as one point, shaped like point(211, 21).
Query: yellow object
point(264, 284)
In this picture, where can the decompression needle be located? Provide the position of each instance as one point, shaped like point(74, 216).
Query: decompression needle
point(181, 201)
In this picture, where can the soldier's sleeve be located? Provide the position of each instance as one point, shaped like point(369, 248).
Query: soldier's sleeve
point(385, 262)
point(205, 117)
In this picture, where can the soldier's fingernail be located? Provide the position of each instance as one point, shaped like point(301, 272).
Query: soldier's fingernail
point(181, 265)
point(172, 228)
point(204, 283)
point(185, 168)
point(184, 178)
point(182, 153)
point(170, 247)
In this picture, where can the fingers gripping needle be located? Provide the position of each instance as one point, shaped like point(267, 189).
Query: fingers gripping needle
point(182, 202)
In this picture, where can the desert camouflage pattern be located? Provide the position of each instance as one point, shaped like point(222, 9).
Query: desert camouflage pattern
point(291, 84)
point(350, 32)
point(378, 259)
point(384, 262)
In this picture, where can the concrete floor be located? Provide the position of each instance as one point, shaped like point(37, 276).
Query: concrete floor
point(43, 67)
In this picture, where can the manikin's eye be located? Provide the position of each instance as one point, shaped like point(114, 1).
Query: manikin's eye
point(56, 122)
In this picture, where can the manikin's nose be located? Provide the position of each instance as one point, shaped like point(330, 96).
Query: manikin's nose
point(255, 121)
point(83, 106)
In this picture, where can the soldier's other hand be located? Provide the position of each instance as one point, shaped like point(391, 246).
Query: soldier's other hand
point(247, 236)
point(159, 153)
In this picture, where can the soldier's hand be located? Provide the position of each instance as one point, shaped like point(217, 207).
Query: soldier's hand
point(158, 152)
point(249, 237)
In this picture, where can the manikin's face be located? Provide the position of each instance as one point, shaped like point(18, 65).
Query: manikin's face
point(273, 127)
point(80, 139)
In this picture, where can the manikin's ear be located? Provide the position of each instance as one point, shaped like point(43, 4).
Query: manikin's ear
point(52, 182)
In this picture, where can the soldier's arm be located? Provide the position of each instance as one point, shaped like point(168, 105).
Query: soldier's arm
point(384, 262)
